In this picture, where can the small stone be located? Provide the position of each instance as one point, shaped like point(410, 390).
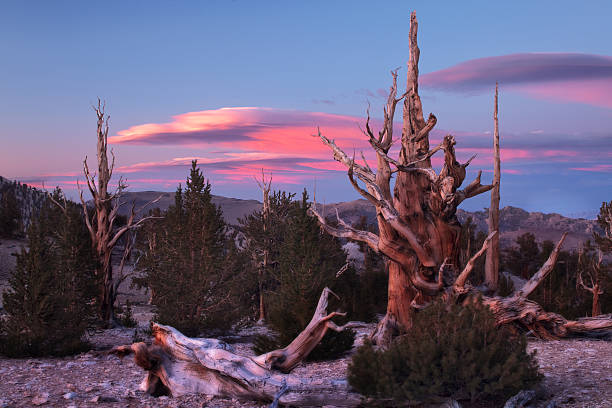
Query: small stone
point(521, 399)
point(95, 399)
point(41, 399)
point(70, 395)
point(107, 398)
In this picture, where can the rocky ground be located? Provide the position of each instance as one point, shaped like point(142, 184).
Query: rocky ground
point(578, 373)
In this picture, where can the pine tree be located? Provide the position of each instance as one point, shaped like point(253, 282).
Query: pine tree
point(10, 214)
point(266, 243)
point(190, 263)
point(49, 302)
point(307, 263)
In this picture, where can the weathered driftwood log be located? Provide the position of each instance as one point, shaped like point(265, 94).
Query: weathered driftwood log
point(179, 365)
point(518, 311)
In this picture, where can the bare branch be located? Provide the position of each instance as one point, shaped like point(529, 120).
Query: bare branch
point(539, 276)
point(429, 125)
point(346, 231)
point(462, 278)
point(92, 233)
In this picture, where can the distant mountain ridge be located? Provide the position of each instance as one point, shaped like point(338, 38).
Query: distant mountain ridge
point(513, 221)
point(233, 208)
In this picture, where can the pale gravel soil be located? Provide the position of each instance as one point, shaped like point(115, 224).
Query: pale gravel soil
point(578, 373)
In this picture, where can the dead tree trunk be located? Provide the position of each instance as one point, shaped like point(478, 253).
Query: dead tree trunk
point(262, 272)
point(179, 365)
point(492, 258)
point(418, 228)
point(106, 206)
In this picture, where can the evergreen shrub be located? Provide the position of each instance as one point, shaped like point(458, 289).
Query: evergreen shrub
point(451, 351)
point(190, 262)
point(51, 298)
point(308, 260)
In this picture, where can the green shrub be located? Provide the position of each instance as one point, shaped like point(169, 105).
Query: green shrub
point(51, 292)
point(190, 262)
point(451, 351)
point(308, 262)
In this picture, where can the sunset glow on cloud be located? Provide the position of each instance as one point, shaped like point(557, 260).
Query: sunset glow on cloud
point(564, 77)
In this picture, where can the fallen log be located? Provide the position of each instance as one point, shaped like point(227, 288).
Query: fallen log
point(179, 365)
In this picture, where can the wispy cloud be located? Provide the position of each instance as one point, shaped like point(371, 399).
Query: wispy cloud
point(567, 77)
point(232, 145)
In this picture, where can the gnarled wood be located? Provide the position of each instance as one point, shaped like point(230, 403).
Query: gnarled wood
point(179, 365)
point(539, 276)
point(417, 224)
point(104, 236)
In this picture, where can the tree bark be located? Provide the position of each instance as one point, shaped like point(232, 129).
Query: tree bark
point(492, 259)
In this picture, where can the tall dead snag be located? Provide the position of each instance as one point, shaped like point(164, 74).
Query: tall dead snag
point(418, 228)
point(106, 205)
point(265, 214)
point(179, 365)
point(492, 258)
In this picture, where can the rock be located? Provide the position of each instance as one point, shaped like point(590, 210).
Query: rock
point(70, 395)
point(41, 399)
point(107, 398)
point(520, 400)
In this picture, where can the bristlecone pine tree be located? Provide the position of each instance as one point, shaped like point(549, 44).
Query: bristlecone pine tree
point(103, 232)
point(49, 302)
point(189, 262)
point(418, 228)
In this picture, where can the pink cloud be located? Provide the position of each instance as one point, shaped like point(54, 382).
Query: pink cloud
point(263, 129)
point(599, 168)
point(565, 77)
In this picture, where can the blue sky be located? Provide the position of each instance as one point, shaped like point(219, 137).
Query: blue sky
point(152, 61)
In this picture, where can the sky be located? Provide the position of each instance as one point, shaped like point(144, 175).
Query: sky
point(242, 86)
